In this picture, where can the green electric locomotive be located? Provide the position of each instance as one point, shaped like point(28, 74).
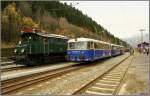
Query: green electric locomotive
point(38, 47)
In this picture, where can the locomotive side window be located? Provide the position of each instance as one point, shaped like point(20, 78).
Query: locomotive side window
point(45, 40)
point(34, 38)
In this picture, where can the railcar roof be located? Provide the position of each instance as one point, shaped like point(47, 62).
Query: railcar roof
point(86, 39)
point(117, 45)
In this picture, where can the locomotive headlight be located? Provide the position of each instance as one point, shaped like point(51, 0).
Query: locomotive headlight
point(22, 50)
point(15, 50)
point(19, 42)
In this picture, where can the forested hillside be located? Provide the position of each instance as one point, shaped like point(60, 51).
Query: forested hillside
point(51, 16)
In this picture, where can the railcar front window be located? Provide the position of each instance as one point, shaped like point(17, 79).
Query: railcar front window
point(81, 45)
point(72, 45)
point(78, 45)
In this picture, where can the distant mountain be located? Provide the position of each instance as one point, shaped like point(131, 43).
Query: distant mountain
point(137, 39)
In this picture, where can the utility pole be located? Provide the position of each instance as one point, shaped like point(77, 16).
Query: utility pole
point(141, 30)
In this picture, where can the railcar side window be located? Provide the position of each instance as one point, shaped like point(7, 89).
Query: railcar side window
point(95, 45)
point(88, 45)
point(101, 46)
point(107, 46)
point(92, 45)
point(104, 46)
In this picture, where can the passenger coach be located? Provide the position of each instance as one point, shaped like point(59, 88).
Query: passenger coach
point(116, 50)
point(85, 49)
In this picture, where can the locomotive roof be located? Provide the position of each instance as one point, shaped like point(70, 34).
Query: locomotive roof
point(86, 39)
point(41, 33)
point(52, 35)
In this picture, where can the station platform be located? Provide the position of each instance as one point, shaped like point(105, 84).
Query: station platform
point(19, 73)
point(137, 77)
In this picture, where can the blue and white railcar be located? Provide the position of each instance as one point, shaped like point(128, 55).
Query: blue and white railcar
point(115, 50)
point(122, 48)
point(86, 49)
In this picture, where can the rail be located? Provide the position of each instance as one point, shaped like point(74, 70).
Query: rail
point(109, 83)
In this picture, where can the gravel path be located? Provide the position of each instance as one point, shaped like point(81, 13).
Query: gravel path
point(69, 83)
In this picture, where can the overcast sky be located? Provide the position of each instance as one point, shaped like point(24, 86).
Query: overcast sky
point(124, 19)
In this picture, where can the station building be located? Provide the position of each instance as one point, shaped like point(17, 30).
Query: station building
point(143, 47)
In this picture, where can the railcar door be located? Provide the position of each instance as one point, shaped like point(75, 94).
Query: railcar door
point(46, 46)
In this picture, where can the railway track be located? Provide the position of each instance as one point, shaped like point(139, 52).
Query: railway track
point(11, 85)
point(16, 67)
point(108, 83)
point(6, 69)
point(5, 63)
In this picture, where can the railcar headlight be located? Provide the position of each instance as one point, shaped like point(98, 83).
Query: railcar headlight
point(22, 50)
point(81, 56)
point(15, 50)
